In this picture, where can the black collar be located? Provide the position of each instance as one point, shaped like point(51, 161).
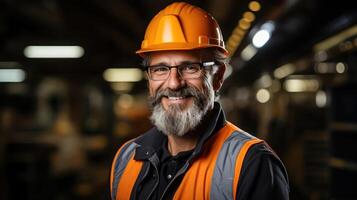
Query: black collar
point(151, 141)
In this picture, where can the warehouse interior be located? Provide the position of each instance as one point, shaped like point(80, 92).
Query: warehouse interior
point(292, 82)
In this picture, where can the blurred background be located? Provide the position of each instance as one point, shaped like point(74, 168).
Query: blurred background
point(72, 91)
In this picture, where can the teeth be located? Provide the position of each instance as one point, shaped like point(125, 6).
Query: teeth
point(175, 98)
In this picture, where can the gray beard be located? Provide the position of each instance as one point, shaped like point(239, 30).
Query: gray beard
point(177, 121)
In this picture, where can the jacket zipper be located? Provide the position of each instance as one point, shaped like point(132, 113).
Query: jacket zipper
point(182, 170)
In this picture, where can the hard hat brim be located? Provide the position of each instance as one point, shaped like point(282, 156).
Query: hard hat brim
point(177, 46)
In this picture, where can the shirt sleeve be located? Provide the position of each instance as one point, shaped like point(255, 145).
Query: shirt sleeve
point(263, 176)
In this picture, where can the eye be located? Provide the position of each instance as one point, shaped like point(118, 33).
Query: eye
point(190, 68)
point(159, 69)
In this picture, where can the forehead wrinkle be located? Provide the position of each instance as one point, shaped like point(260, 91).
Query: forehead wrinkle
point(174, 57)
point(178, 63)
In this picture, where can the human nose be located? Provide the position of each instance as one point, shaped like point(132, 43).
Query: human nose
point(175, 80)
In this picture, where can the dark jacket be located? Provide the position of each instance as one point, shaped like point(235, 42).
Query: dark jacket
point(262, 175)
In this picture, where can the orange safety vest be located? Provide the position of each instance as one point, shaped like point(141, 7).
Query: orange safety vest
point(213, 175)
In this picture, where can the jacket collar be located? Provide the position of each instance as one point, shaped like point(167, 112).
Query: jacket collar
point(151, 141)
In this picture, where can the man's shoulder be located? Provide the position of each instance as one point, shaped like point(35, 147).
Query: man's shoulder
point(261, 150)
point(150, 141)
point(256, 152)
point(237, 134)
point(126, 147)
point(262, 155)
point(148, 136)
point(261, 166)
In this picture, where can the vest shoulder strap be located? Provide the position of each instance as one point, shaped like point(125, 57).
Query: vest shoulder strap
point(215, 174)
point(125, 168)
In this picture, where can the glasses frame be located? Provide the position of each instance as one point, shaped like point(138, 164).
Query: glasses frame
point(201, 64)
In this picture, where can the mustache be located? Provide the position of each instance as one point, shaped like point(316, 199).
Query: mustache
point(187, 91)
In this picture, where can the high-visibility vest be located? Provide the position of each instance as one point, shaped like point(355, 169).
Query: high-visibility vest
point(214, 174)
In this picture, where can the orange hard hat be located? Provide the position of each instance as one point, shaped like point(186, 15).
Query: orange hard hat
point(181, 26)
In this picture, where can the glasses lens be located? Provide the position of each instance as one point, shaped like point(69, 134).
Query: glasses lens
point(186, 71)
point(159, 72)
point(192, 70)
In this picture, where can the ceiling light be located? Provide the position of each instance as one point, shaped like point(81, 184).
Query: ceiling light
point(301, 85)
point(330, 67)
point(123, 75)
point(53, 51)
point(340, 68)
point(248, 52)
point(325, 67)
point(254, 6)
point(321, 99)
point(284, 71)
point(249, 16)
point(335, 39)
point(238, 31)
point(263, 95)
point(234, 39)
point(264, 81)
point(12, 75)
point(260, 38)
point(244, 24)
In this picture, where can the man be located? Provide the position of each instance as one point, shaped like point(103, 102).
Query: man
point(192, 152)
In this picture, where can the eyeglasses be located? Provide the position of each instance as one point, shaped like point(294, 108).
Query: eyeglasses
point(161, 72)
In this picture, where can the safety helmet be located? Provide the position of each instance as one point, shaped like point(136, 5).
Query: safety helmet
point(181, 26)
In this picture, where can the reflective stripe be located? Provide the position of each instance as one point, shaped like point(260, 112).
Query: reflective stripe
point(213, 175)
point(222, 186)
point(120, 165)
point(239, 163)
point(128, 179)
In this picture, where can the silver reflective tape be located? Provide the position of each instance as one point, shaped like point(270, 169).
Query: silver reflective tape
point(223, 174)
point(120, 165)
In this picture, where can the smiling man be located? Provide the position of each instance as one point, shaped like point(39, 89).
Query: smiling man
point(192, 152)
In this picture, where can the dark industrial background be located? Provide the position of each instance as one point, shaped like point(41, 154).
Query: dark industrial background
point(61, 124)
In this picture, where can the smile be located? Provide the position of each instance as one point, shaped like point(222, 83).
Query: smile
point(175, 98)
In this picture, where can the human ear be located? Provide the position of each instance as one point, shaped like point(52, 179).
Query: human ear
point(149, 86)
point(218, 77)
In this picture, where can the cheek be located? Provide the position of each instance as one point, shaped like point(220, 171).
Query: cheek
point(201, 84)
point(153, 87)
